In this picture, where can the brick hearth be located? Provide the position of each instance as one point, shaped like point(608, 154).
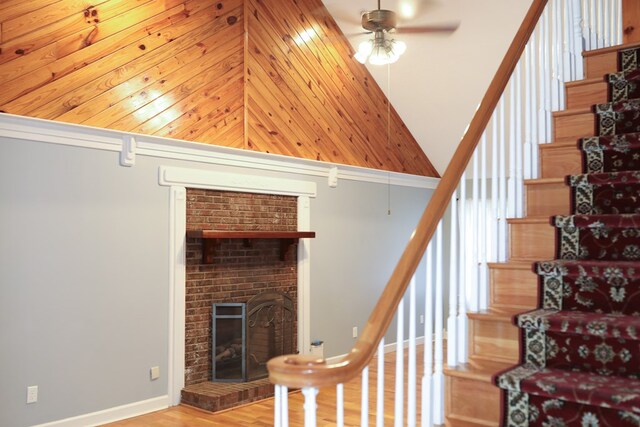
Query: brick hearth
point(238, 273)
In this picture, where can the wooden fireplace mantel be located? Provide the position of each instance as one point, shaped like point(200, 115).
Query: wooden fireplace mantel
point(211, 237)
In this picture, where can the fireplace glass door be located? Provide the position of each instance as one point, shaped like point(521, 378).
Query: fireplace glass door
point(229, 342)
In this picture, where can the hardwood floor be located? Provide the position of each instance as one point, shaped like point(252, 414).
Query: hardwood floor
point(261, 413)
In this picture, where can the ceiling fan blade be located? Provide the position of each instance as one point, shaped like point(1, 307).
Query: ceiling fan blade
point(339, 14)
point(411, 9)
point(357, 33)
point(420, 29)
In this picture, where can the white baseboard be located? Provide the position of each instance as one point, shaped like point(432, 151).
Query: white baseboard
point(113, 414)
point(388, 348)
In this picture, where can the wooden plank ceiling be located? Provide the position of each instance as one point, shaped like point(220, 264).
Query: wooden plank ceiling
point(184, 69)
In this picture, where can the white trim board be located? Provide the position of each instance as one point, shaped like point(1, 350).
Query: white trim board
point(112, 414)
point(50, 132)
point(178, 179)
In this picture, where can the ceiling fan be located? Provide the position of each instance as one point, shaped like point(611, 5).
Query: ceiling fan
point(383, 48)
point(386, 20)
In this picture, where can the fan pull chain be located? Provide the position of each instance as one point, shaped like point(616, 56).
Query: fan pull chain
point(388, 133)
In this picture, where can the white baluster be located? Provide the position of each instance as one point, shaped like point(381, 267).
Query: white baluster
point(511, 198)
point(399, 401)
point(593, 24)
point(340, 405)
point(607, 26)
point(555, 56)
point(438, 376)
point(364, 402)
point(519, 142)
point(277, 406)
point(619, 24)
point(559, 42)
point(548, 72)
point(527, 112)
point(578, 39)
point(427, 377)
point(452, 340)
point(380, 386)
point(462, 293)
point(495, 223)
point(543, 82)
point(599, 15)
point(284, 394)
point(502, 197)
point(548, 76)
point(310, 406)
point(483, 241)
point(586, 23)
point(474, 235)
point(534, 109)
point(411, 368)
point(567, 36)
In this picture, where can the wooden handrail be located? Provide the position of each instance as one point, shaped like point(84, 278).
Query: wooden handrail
point(304, 371)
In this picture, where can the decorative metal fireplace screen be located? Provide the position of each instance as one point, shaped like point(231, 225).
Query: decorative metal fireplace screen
point(246, 335)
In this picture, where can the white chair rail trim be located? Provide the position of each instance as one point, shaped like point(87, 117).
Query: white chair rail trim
point(47, 131)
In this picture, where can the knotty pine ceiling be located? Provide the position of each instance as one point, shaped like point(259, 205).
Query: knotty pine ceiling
point(269, 76)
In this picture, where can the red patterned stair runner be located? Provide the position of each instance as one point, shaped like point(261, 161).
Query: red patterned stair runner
point(580, 350)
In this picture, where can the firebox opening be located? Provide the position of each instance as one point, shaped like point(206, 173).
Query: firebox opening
point(247, 335)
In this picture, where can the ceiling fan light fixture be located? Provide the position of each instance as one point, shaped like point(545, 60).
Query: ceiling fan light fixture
point(364, 50)
point(380, 50)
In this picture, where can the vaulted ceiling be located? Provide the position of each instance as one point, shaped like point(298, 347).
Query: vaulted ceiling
point(269, 76)
point(441, 78)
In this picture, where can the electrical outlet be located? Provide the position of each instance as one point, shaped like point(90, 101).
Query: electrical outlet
point(155, 372)
point(422, 319)
point(355, 332)
point(32, 394)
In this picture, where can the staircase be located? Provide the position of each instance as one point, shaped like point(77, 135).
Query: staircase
point(472, 399)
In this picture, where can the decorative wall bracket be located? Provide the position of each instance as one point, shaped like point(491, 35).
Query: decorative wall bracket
point(128, 153)
point(210, 239)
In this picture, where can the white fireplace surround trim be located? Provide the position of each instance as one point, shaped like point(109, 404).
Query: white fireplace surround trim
point(179, 179)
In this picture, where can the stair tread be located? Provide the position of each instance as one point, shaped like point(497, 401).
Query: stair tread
point(586, 81)
point(596, 52)
point(544, 181)
point(612, 325)
point(583, 387)
point(560, 144)
point(529, 220)
point(477, 369)
point(501, 314)
point(573, 267)
point(573, 112)
point(511, 265)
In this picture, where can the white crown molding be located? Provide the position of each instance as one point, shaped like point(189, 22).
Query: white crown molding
point(112, 414)
point(131, 145)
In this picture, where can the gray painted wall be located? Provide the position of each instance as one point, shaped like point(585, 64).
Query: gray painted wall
point(84, 276)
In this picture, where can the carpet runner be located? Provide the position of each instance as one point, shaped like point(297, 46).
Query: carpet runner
point(580, 349)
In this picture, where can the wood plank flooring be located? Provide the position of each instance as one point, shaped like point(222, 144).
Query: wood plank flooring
point(261, 413)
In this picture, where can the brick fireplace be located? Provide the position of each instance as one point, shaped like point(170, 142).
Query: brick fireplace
point(240, 270)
